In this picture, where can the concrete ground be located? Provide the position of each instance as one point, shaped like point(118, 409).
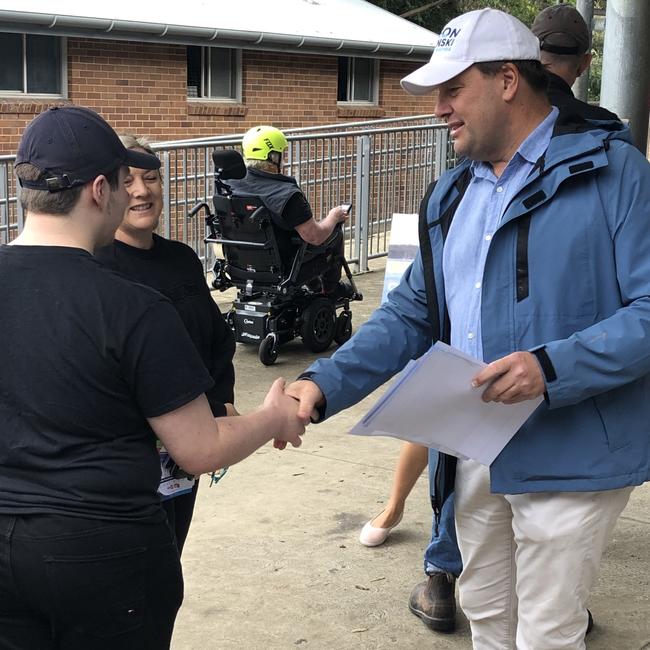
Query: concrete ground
point(272, 560)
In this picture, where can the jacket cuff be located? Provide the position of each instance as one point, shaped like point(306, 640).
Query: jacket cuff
point(545, 363)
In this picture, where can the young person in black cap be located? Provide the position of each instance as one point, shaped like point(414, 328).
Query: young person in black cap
point(88, 382)
point(564, 43)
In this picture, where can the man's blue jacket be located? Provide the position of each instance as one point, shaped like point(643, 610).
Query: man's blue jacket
point(568, 272)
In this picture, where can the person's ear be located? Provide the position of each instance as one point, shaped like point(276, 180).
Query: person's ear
point(100, 191)
point(585, 62)
point(510, 78)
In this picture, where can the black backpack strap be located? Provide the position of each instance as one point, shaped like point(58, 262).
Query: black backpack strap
point(438, 331)
point(427, 265)
point(445, 475)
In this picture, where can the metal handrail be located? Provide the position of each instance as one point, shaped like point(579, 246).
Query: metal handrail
point(382, 166)
point(297, 130)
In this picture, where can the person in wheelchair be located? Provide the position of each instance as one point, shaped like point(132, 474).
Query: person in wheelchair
point(263, 148)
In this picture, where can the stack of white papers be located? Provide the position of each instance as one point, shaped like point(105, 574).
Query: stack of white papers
point(432, 403)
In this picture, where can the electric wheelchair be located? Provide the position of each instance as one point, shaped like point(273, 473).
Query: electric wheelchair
point(276, 273)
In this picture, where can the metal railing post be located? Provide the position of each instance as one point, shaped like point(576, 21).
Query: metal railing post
point(4, 204)
point(167, 193)
point(294, 161)
point(362, 200)
point(358, 185)
point(441, 152)
point(208, 178)
point(20, 217)
point(365, 207)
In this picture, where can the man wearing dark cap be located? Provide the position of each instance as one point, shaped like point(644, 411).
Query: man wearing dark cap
point(88, 381)
point(564, 42)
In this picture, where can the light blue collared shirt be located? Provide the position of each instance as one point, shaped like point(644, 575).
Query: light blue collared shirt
point(476, 219)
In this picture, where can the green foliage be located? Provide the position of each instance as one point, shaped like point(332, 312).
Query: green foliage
point(436, 17)
point(596, 69)
point(525, 10)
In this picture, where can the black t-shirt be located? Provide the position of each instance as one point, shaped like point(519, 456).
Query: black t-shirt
point(173, 268)
point(87, 356)
point(296, 211)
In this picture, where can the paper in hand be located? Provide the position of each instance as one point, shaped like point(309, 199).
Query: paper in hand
point(432, 403)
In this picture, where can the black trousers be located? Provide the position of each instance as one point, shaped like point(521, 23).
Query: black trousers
point(79, 584)
point(335, 254)
point(332, 259)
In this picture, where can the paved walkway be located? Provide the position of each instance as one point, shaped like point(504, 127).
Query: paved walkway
point(272, 560)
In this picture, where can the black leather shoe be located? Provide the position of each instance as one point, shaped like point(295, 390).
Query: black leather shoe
point(434, 602)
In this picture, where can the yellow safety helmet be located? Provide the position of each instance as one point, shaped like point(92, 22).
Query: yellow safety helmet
point(260, 141)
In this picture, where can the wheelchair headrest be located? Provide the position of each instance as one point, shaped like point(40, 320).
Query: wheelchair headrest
point(228, 163)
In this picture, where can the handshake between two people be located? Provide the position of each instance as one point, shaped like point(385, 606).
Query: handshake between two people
point(294, 405)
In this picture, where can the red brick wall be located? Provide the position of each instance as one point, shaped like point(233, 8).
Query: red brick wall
point(141, 87)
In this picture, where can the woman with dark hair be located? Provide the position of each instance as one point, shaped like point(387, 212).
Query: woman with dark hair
point(173, 269)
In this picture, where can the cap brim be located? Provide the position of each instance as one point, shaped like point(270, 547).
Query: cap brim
point(141, 160)
point(432, 74)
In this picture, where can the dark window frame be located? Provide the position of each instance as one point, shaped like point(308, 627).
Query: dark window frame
point(201, 56)
point(62, 90)
point(346, 88)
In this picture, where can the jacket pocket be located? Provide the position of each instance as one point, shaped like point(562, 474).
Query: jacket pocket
point(608, 408)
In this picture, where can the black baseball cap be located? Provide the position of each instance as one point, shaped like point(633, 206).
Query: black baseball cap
point(561, 30)
point(72, 145)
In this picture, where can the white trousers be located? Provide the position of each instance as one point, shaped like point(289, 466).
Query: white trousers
point(529, 561)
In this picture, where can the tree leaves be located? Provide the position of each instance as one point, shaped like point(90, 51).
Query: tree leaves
point(437, 16)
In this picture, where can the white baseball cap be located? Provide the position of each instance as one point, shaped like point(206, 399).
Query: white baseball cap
point(482, 35)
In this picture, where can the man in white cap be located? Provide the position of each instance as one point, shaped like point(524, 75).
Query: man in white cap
point(534, 257)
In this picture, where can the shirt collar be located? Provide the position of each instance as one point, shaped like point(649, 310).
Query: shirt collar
point(537, 142)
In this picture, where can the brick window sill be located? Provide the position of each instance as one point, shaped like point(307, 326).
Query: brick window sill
point(360, 111)
point(210, 108)
point(29, 106)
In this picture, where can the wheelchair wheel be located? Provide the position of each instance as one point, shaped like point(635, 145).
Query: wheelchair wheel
point(268, 350)
point(318, 325)
point(343, 327)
